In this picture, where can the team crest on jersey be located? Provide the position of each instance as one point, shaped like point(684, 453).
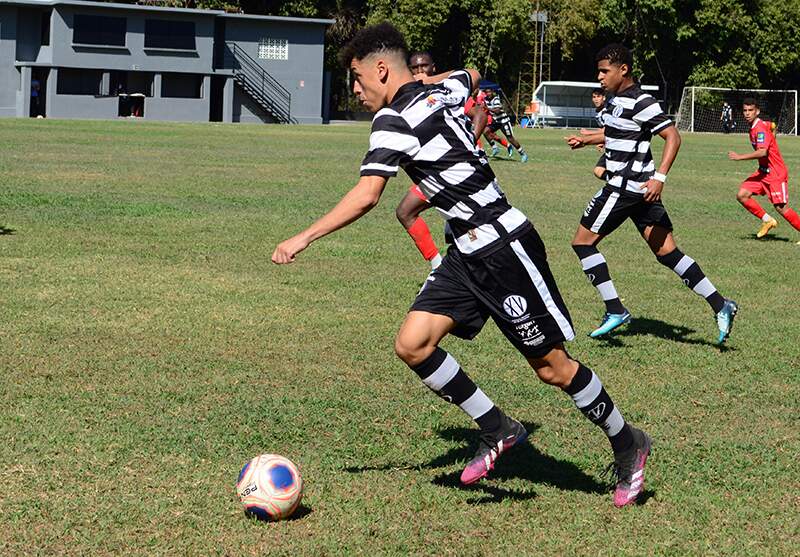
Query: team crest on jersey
point(617, 112)
point(515, 305)
point(760, 137)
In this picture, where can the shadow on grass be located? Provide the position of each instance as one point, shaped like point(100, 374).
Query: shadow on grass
point(644, 326)
point(767, 238)
point(4, 230)
point(523, 462)
point(299, 513)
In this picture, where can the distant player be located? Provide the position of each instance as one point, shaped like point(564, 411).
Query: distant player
point(501, 121)
point(599, 103)
point(414, 203)
point(633, 191)
point(497, 266)
point(726, 117)
point(771, 178)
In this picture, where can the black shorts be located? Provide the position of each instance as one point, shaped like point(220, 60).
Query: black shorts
point(513, 286)
point(609, 208)
point(505, 126)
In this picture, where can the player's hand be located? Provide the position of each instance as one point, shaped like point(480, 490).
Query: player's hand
point(288, 249)
point(652, 190)
point(733, 156)
point(575, 142)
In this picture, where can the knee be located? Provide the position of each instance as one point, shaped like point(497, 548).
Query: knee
point(405, 218)
point(742, 196)
point(559, 373)
point(780, 207)
point(411, 351)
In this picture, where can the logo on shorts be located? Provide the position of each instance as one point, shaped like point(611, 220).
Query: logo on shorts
point(597, 412)
point(515, 305)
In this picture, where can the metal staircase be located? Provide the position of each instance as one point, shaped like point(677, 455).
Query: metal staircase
point(268, 94)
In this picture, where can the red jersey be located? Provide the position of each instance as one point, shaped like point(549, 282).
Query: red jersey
point(761, 137)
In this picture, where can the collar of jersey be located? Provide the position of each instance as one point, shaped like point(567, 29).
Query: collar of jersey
point(405, 88)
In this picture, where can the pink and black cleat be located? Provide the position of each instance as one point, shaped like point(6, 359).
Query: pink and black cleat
point(628, 467)
point(492, 445)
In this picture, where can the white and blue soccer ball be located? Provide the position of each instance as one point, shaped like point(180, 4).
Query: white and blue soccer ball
point(270, 487)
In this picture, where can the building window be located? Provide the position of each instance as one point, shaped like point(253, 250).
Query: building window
point(79, 82)
point(162, 33)
point(182, 85)
point(273, 49)
point(45, 28)
point(99, 30)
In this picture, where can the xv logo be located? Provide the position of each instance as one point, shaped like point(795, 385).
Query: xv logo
point(597, 412)
point(515, 305)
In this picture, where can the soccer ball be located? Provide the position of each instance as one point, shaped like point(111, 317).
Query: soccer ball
point(270, 487)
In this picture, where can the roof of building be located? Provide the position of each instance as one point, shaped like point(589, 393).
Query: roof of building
point(145, 7)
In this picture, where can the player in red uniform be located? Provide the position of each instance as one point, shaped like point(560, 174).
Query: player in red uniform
point(771, 178)
point(421, 64)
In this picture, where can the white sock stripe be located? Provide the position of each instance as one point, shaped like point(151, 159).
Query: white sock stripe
point(614, 423)
point(592, 261)
point(607, 290)
point(443, 375)
point(589, 393)
point(477, 405)
point(704, 288)
point(683, 264)
point(637, 474)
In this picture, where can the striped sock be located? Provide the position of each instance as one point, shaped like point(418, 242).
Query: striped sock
point(593, 401)
point(442, 374)
point(693, 277)
point(596, 269)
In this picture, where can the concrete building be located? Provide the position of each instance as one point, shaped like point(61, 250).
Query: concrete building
point(78, 59)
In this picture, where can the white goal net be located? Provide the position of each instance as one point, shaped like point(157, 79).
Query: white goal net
point(703, 109)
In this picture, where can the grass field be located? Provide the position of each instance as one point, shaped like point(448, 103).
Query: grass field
point(149, 347)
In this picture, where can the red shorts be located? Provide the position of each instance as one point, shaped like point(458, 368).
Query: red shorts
point(418, 192)
point(764, 184)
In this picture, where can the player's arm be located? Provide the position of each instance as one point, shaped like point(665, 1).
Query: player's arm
point(757, 154)
point(479, 119)
point(672, 143)
point(474, 75)
point(586, 137)
point(355, 204)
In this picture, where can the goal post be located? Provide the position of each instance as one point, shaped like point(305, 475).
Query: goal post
point(702, 109)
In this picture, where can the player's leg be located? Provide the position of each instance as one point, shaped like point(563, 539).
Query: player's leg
point(744, 196)
point(662, 244)
point(631, 446)
point(779, 197)
point(789, 214)
point(509, 133)
point(600, 219)
point(407, 213)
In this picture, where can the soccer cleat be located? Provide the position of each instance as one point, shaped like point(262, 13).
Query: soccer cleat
point(495, 150)
point(766, 227)
point(491, 446)
point(524, 157)
point(725, 320)
point(610, 322)
point(628, 468)
point(510, 152)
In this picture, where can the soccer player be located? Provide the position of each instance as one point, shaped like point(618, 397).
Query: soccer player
point(421, 64)
point(496, 268)
point(501, 122)
point(633, 191)
point(599, 103)
point(771, 177)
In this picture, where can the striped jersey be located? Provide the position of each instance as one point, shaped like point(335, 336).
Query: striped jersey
point(423, 131)
point(495, 106)
point(631, 119)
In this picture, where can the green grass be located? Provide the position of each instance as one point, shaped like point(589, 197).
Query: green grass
point(148, 348)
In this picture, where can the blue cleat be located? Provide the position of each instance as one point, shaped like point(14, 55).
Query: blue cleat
point(725, 320)
point(495, 150)
point(524, 158)
point(610, 322)
point(510, 152)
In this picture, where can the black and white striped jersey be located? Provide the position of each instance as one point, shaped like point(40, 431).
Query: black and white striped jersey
point(423, 131)
point(631, 119)
point(495, 106)
point(600, 117)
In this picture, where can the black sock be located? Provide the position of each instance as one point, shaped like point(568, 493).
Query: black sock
point(596, 269)
point(693, 277)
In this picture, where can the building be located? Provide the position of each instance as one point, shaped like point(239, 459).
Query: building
point(79, 59)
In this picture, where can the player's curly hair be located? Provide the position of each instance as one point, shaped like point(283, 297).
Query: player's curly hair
point(383, 37)
point(617, 55)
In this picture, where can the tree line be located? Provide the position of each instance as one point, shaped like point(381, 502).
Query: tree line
point(719, 43)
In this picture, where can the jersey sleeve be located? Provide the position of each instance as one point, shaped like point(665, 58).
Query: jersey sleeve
point(459, 83)
point(391, 143)
point(648, 114)
point(763, 137)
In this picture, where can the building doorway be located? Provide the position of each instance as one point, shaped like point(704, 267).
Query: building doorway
point(39, 92)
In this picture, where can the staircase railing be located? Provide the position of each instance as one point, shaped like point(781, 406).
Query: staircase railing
point(270, 95)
